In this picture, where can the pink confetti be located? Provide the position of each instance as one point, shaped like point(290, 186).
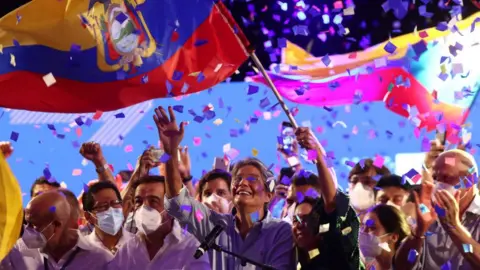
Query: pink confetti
point(128, 148)
point(378, 162)
point(77, 172)
point(276, 113)
point(198, 215)
point(129, 167)
point(355, 130)
point(416, 132)
point(197, 141)
point(258, 113)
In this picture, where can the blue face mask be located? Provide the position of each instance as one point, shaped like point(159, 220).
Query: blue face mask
point(111, 220)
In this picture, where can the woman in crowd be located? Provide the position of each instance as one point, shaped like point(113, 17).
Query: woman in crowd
point(383, 229)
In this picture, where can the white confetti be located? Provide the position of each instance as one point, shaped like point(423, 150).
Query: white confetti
point(49, 79)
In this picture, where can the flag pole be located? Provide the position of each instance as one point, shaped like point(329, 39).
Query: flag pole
point(274, 89)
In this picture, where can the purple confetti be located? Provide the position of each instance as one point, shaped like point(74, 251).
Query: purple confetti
point(14, 136)
point(178, 108)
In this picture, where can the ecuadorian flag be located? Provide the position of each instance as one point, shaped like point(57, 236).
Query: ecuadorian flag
point(430, 76)
point(11, 215)
point(100, 55)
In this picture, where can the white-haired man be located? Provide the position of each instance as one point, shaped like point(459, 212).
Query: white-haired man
point(448, 217)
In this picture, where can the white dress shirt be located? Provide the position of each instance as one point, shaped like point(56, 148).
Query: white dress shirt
point(94, 239)
point(175, 254)
point(88, 256)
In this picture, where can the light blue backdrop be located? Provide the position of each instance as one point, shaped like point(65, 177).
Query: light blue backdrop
point(379, 132)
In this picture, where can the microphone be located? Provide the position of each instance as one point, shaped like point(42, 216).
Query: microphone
point(209, 241)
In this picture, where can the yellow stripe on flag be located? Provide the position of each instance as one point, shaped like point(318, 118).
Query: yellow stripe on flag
point(11, 209)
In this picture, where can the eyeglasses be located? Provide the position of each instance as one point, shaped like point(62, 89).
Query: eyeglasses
point(104, 206)
point(250, 178)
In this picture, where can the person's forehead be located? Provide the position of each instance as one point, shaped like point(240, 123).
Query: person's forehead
point(249, 170)
point(217, 183)
point(391, 191)
point(303, 188)
point(303, 209)
point(106, 194)
point(149, 189)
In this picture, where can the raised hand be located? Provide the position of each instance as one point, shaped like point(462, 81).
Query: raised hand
point(306, 139)
point(426, 214)
point(185, 164)
point(146, 162)
point(92, 151)
point(6, 149)
point(436, 148)
point(171, 134)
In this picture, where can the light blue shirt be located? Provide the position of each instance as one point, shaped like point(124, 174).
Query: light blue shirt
point(269, 241)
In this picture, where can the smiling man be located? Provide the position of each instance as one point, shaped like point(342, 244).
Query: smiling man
point(250, 230)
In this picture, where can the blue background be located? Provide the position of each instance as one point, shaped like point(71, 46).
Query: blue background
point(37, 147)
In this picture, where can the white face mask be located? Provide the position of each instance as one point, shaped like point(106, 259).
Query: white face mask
point(223, 204)
point(110, 221)
point(362, 197)
point(147, 219)
point(370, 245)
point(34, 239)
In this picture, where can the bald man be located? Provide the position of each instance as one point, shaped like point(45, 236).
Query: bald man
point(448, 232)
point(50, 242)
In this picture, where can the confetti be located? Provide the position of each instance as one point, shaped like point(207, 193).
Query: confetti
point(198, 215)
point(187, 208)
point(128, 148)
point(347, 230)
point(323, 228)
point(467, 248)
point(254, 216)
point(412, 256)
point(49, 79)
point(313, 253)
point(77, 172)
point(14, 136)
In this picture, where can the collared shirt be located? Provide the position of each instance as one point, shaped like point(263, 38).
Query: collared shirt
point(338, 249)
point(88, 256)
point(176, 253)
point(269, 241)
point(439, 249)
point(126, 236)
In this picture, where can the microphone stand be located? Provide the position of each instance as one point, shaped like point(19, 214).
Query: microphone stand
point(242, 258)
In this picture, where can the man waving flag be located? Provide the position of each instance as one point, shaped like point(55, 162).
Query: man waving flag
point(100, 55)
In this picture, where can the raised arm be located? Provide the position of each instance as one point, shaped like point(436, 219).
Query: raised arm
point(144, 164)
point(426, 216)
point(93, 152)
point(327, 183)
point(198, 218)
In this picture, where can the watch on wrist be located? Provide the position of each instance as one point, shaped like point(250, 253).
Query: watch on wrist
point(187, 179)
point(103, 168)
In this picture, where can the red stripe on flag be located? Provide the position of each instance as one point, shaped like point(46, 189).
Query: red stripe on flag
point(27, 90)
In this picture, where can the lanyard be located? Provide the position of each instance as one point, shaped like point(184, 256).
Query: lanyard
point(69, 260)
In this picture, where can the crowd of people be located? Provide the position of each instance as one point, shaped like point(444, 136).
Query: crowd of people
point(245, 217)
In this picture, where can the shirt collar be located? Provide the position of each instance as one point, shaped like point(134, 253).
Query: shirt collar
point(474, 206)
